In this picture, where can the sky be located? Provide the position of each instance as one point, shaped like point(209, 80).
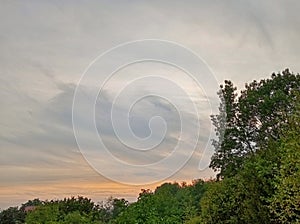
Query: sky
point(84, 111)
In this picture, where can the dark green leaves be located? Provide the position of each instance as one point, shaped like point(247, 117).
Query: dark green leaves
point(253, 118)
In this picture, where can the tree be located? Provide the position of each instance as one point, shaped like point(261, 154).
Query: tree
point(246, 122)
point(47, 213)
point(81, 204)
point(12, 215)
point(68, 210)
point(226, 146)
point(169, 203)
point(112, 208)
point(257, 154)
point(242, 198)
point(142, 211)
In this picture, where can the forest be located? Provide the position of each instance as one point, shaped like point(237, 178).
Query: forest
point(256, 160)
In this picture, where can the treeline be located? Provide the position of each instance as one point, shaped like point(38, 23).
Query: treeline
point(257, 160)
point(169, 203)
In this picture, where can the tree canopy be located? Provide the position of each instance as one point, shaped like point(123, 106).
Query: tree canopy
point(249, 120)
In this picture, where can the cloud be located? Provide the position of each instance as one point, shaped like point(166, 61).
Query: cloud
point(49, 144)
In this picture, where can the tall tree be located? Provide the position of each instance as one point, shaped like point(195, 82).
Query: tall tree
point(249, 120)
point(226, 127)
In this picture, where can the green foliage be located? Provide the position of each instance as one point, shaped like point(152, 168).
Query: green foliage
point(244, 197)
point(68, 210)
point(248, 121)
point(169, 203)
point(258, 157)
point(12, 215)
point(80, 204)
point(43, 214)
point(77, 218)
point(285, 203)
point(195, 220)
